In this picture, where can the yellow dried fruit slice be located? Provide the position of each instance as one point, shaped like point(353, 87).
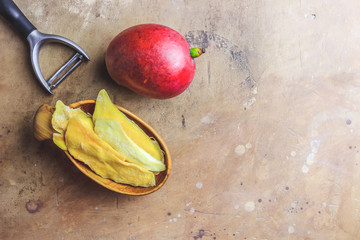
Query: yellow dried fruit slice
point(125, 136)
point(59, 141)
point(60, 119)
point(84, 145)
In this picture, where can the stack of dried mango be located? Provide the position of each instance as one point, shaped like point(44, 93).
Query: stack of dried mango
point(108, 142)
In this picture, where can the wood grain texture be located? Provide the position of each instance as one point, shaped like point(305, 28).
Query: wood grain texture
point(264, 142)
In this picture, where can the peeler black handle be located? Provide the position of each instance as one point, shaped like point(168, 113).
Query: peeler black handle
point(12, 13)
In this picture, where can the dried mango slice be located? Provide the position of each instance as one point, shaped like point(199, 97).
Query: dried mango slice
point(84, 145)
point(59, 141)
point(125, 136)
point(60, 119)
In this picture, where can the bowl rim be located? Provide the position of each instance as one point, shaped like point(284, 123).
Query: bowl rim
point(109, 184)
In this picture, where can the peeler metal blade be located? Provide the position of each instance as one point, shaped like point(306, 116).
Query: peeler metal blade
point(36, 39)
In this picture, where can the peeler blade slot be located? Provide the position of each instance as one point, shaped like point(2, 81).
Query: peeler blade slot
point(36, 39)
point(79, 59)
point(65, 66)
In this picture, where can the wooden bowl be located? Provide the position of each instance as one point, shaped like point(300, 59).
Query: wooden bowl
point(88, 107)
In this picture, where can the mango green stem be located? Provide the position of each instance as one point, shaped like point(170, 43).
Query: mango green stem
point(196, 52)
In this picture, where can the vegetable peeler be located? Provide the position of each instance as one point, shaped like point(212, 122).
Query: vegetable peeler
point(36, 39)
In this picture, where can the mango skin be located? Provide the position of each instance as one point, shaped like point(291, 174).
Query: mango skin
point(84, 145)
point(152, 60)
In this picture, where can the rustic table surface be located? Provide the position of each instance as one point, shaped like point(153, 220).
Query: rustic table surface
point(264, 142)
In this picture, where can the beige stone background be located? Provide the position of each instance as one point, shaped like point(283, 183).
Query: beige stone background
point(265, 141)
